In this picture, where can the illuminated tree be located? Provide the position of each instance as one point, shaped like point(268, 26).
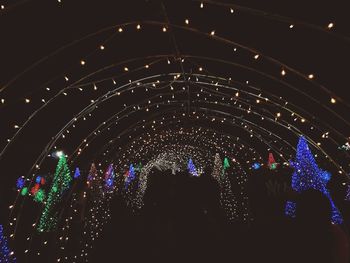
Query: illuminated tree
point(191, 168)
point(60, 184)
point(109, 178)
point(271, 163)
point(347, 196)
point(226, 163)
point(94, 182)
point(40, 196)
point(20, 183)
point(5, 254)
point(130, 176)
point(24, 191)
point(307, 175)
point(76, 173)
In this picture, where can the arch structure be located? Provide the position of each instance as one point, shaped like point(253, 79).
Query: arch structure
point(156, 92)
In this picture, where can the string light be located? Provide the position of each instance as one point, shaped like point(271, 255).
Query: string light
point(330, 26)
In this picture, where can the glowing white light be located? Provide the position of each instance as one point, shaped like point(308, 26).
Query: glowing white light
point(58, 154)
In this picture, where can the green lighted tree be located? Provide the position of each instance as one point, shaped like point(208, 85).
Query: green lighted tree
point(60, 184)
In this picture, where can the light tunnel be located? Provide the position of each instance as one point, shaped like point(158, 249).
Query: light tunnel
point(168, 87)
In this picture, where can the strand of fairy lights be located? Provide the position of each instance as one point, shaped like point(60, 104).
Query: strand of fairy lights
point(332, 99)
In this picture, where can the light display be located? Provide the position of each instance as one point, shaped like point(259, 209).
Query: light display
point(38, 179)
point(40, 196)
point(264, 119)
point(256, 166)
point(98, 210)
point(76, 173)
point(226, 163)
point(347, 194)
point(6, 256)
point(307, 175)
point(191, 168)
point(20, 183)
point(109, 178)
point(228, 200)
point(35, 189)
point(94, 181)
point(24, 191)
point(217, 169)
point(60, 184)
point(130, 176)
point(271, 162)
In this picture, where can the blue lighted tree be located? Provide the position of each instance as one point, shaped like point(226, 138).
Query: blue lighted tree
point(131, 176)
point(347, 196)
point(307, 175)
point(109, 178)
point(5, 254)
point(76, 173)
point(191, 168)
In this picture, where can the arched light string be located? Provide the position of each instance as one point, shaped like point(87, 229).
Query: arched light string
point(283, 19)
point(91, 108)
point(282, 106)
point(235, 44)
point(153, 122)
